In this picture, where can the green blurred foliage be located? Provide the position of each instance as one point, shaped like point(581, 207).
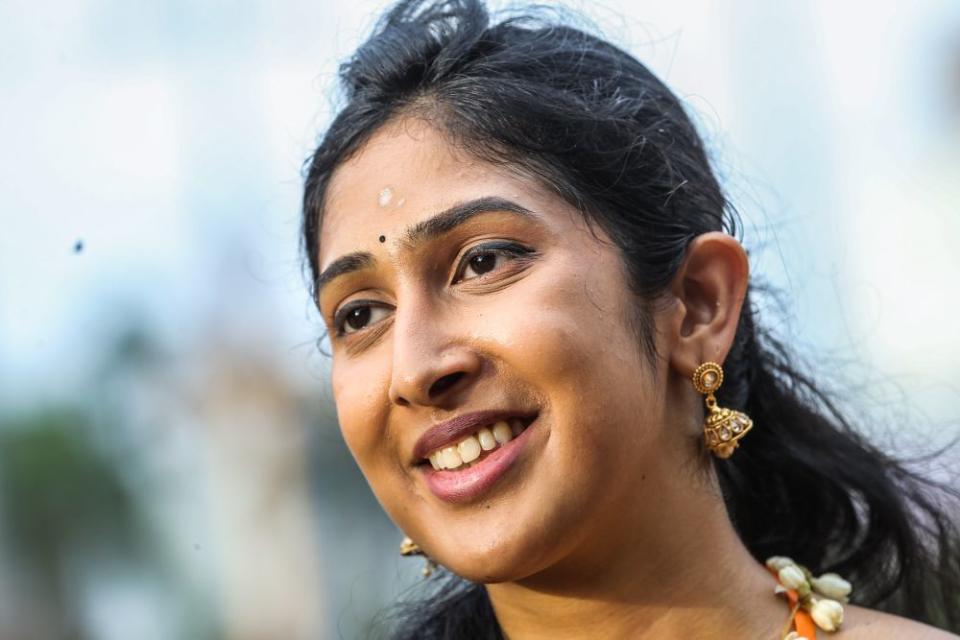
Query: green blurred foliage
point(76, 512)
point(60, 494)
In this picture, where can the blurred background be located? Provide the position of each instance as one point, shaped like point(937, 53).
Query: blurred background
point(170, 463)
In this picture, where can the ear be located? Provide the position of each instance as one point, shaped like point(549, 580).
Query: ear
point(710, 288)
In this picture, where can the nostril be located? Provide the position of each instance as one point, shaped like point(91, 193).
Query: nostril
point(445, 383)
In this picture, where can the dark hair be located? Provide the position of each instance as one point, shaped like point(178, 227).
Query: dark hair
point(592, 123)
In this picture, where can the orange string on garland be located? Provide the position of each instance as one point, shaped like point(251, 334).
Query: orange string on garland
point(802, 622)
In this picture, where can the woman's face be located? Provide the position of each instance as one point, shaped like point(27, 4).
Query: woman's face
point(459, 297)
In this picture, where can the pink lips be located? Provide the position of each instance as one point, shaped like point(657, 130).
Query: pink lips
point(468, 483)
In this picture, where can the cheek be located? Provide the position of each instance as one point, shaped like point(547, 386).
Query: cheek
point(568, 337)
point(359, 392)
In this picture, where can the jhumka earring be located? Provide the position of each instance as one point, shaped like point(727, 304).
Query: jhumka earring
point(722, 428)
point(410, 548)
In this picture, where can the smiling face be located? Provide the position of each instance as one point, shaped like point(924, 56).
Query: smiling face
point(458, 295)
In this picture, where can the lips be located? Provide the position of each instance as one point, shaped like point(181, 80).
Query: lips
point(469, 481)
point(452, 431)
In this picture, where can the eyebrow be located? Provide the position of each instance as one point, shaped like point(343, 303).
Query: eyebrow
point(344, 265)
point(446, 221)
point(424, 231)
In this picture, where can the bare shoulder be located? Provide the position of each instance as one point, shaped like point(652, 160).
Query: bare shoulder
point(860, 622)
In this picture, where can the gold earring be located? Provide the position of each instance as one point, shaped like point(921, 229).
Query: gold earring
point(410, 548)
point(722, 428)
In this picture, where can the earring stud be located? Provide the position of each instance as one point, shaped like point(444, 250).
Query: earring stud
point(410, 548)
point(722, 428)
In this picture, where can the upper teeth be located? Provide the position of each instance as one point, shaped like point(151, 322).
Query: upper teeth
point(470, 448)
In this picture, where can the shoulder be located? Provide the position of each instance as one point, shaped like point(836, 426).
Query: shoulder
point(860, 622)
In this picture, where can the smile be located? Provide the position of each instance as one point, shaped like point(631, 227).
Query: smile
point(461, 460)
point(474, 448)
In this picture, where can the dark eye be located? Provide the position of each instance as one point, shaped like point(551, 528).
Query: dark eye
point(358, 316)
point(489, 257)
point(482, 263)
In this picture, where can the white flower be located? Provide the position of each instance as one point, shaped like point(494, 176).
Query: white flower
point(832, 586)
point(828, 614)
point(779, 562)
point(792, 577)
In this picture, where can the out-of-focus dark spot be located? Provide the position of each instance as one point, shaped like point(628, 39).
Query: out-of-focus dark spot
point(78, 246)
point(383, 238)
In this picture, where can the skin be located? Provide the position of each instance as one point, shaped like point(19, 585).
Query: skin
point(608, 521)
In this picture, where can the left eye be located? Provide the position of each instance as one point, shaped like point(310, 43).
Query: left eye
point(487, 258)
point(481, 263)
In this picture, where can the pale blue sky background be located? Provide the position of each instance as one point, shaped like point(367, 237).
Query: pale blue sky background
point(168, 138)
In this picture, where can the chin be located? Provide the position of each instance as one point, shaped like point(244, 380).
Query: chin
point(486, 570)
point(506, 558)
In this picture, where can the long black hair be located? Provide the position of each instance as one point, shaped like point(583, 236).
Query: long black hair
point(592, 123)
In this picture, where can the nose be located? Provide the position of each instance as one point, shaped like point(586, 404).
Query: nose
point(432, 360)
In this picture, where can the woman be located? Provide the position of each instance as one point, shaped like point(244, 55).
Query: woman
point(542, 333)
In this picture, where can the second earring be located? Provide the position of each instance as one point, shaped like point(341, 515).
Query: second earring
point(722, 428)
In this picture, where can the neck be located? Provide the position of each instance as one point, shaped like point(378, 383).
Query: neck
point(700, 582)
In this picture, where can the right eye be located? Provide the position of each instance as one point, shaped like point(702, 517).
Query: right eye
point(357, 316)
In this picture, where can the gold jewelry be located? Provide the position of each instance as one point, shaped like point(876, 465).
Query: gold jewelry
point(410, 548)
point(722, 428)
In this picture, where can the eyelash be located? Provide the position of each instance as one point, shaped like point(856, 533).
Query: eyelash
point(510, 250)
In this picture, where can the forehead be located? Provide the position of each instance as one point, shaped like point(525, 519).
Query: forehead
point(406, 172)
